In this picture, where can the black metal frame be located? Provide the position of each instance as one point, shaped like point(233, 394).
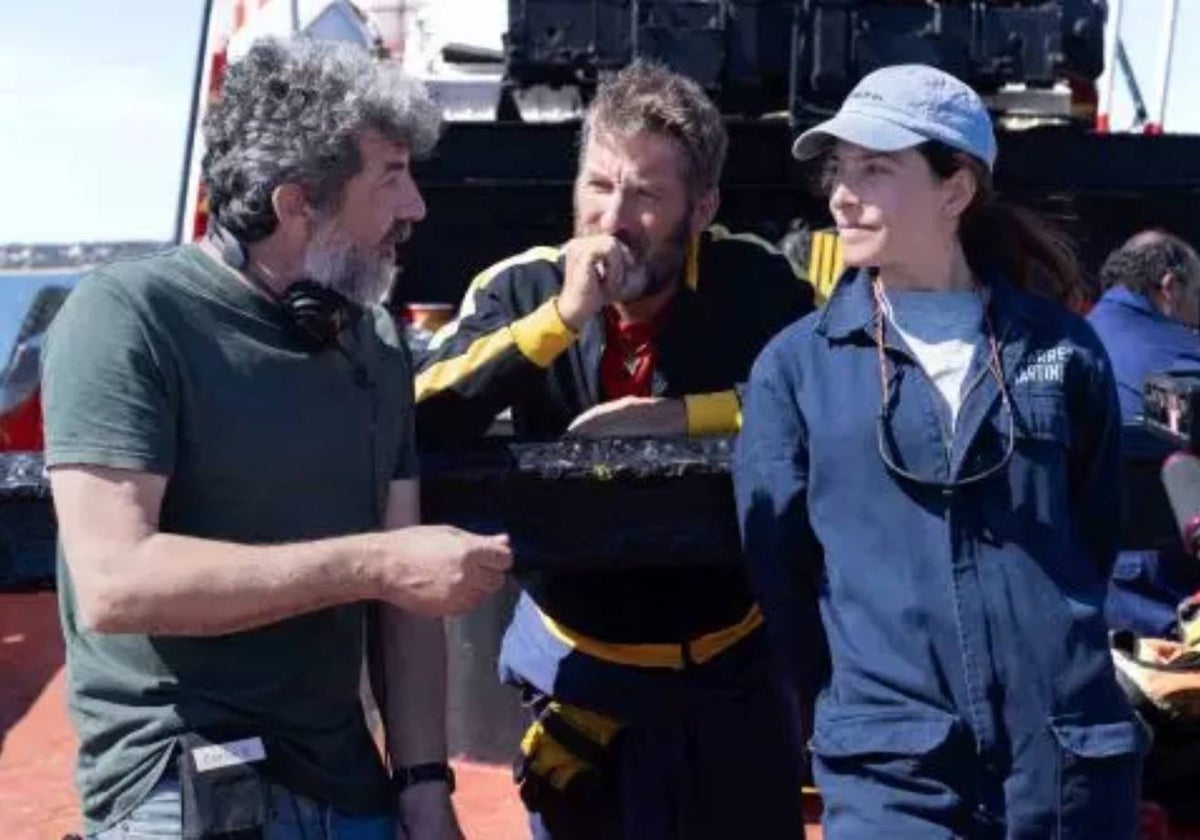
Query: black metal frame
point(758, 56)
point(1101, 188)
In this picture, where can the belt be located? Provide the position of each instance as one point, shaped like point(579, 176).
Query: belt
point(676, 657)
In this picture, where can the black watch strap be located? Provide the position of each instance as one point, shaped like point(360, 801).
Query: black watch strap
point(415, 774)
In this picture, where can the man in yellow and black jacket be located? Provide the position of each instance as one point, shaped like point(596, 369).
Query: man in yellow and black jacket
point(653, 716)
point(510, 348)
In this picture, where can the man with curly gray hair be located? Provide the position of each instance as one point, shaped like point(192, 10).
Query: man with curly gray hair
point(307, 117)
point(230, 444)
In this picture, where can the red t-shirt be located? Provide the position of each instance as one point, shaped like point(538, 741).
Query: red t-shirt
point(627, 366)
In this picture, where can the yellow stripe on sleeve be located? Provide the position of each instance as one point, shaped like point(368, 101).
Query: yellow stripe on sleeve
point(443, 375)
point(542, 253)
point(542, 334)
point(718, 413)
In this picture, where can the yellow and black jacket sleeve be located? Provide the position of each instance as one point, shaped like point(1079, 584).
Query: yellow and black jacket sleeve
point(509, 348)
point(503, 337)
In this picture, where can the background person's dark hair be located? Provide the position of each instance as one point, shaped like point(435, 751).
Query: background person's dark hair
point(1143, 260)
point(291, 111)
point(1030, 252)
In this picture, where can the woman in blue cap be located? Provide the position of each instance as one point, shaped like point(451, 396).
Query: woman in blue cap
point(927, 485)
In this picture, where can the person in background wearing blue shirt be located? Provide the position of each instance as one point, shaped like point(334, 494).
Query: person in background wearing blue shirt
point(1147, 316)
point(1146, 321)
point(926, 479)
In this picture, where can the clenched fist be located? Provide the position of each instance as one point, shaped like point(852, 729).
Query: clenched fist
point(598, 270)
point(435, 570)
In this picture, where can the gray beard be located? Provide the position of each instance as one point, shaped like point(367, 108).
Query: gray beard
point(659, 278)
point(354, 273)
point(668, 269)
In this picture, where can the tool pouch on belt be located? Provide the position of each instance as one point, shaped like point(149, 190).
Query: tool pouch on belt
point(566, 748)
point(223, 790)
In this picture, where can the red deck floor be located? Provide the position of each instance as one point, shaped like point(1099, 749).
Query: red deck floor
point(37, 798)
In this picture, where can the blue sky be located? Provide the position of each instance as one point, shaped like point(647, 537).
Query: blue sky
point(1140, 30)
point(94, 97)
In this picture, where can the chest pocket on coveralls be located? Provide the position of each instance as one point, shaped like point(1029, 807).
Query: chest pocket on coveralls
point(1040, 419)
point(1040, 430)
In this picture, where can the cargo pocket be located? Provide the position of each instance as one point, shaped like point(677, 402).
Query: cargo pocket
point(894, 770)
point(897, 741)
point(1140, 598)
point(1099, 779)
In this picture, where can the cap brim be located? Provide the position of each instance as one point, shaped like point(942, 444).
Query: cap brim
point(870, 132)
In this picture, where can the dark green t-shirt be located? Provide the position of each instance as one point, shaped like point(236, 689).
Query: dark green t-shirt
point(171, 365)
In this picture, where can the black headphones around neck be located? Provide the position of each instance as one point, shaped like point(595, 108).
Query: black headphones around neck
point(316, 314)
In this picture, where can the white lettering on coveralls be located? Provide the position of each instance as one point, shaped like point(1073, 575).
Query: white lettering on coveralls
point(1046, 366)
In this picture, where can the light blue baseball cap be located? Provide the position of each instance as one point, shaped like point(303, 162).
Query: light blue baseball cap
point(902, 106)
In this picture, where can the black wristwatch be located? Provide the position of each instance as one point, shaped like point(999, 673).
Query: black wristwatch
point(435, 771)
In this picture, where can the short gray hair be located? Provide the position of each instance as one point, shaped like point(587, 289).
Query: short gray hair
point(291, 111)
point(1145, 258)
point(646, 96)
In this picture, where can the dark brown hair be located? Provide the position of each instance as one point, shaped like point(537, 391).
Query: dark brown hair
point(998, 236)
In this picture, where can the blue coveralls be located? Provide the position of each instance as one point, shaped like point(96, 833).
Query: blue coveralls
point(970, 690)
point(1140, 341)
point(1146, 586)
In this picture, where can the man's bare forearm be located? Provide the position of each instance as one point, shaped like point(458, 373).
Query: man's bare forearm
point(175, 585)
point(130, 577)
point(414, 680)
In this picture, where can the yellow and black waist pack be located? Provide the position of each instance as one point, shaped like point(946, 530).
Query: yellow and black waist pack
point(566, 748)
